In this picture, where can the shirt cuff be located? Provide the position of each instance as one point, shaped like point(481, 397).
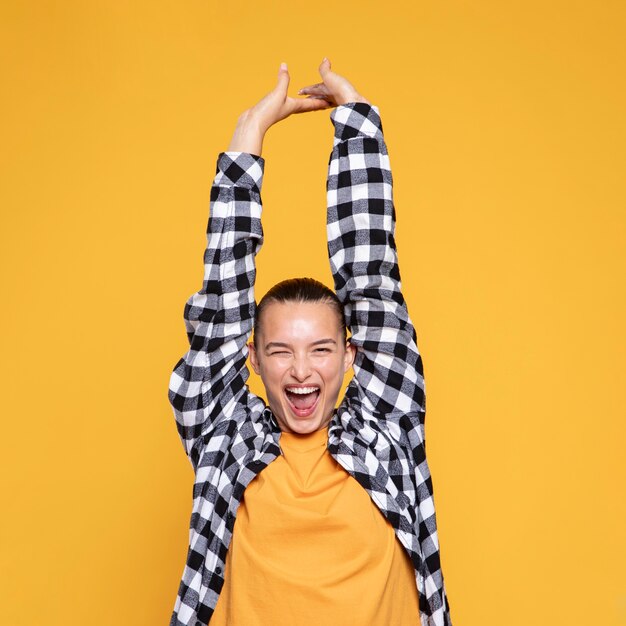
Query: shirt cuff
point(356, 119)
point(241, 169)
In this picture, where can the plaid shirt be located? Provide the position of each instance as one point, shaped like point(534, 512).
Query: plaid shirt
point(377, 433)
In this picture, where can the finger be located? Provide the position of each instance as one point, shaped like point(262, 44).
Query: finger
point(319, 106)
point(314, 86)
point(312, 103)
point(319, 88)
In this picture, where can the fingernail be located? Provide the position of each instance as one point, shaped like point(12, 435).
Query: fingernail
point(283, 66)
point(324, 59)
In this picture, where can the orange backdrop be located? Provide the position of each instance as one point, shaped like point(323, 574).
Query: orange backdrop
point(506, 130)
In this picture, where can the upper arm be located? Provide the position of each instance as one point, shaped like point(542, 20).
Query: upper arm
point(364, 261)
point(208, 381)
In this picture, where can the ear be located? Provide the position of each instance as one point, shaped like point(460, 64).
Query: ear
point(349, 356)
point(254, 359)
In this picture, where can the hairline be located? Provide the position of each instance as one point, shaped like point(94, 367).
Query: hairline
point(297, 300)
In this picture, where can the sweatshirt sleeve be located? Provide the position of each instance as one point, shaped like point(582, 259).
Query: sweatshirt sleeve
point(209, 380)
point(364, 262)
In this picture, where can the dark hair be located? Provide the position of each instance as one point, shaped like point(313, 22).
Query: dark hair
point(300, 290)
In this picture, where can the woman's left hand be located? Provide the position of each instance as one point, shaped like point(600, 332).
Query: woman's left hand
point(277, 105)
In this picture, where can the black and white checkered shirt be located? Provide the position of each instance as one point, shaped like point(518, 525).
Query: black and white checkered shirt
point(376, 434)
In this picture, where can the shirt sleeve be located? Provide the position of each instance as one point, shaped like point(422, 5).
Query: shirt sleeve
point(209, 380)
point(363, 257)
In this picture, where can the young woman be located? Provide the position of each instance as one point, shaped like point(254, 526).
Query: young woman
point(303, 513)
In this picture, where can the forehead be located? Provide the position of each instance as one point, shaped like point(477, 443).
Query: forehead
point(306, 321)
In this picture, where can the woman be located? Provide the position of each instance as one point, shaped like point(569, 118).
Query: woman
point(335, 519)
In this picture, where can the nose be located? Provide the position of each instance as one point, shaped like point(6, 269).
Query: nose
point(300, 368)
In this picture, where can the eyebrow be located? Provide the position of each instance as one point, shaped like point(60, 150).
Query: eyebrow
point(280, 344)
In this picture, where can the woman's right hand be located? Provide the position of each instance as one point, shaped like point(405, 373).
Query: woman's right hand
point(334, 88)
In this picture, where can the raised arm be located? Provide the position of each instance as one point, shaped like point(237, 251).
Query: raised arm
point(208, 382)
point(360, 228)
point(364, 261)
point(209, 379)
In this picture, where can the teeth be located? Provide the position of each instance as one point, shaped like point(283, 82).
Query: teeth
point(302, 390)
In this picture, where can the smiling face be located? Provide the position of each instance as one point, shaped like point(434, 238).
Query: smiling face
point(301, 356)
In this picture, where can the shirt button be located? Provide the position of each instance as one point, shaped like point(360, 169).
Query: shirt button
point(218, 570)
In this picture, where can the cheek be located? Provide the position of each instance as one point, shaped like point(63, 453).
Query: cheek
point(334, 371)
point(273, 373)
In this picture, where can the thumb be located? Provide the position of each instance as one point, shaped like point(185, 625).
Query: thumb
point(283, 77)
point(324, 67)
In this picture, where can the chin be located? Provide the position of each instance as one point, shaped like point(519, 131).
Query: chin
point(302, 426)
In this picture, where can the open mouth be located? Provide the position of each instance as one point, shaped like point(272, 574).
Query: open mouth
point(302, 400)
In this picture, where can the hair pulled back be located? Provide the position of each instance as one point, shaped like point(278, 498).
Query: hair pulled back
point(300, 290)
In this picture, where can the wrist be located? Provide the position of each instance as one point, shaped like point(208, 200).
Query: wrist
point(248, 136)
point(355, 97)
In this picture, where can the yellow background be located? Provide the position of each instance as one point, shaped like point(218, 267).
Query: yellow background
point(506, 130)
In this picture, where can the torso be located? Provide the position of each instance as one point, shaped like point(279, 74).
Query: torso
point(309, 547)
